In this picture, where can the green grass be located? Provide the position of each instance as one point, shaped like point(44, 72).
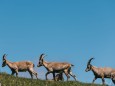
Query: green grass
point(8, 80)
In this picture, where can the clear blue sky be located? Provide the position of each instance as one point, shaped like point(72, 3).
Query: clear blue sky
point(65, 30)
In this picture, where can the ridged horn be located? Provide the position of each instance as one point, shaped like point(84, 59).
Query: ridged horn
point(90, 60)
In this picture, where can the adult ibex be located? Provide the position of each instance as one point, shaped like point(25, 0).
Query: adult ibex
point(100, 72)
point(22, 66)
point(56, 67)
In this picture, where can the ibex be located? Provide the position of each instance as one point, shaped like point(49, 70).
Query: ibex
point(22, 66)
point(100, 72)
point(56, 67)
point(59, 77)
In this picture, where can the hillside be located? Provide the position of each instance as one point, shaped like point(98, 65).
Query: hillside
point(8, 80)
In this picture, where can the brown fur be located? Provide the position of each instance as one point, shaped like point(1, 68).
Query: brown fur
point(102, 73)
point(22, 66)
point(56, 67)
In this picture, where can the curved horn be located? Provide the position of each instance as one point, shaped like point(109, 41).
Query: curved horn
point(90, 60)
point(41, 56)
point(4, 56)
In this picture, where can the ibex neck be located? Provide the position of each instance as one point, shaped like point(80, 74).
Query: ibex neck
point(45, 64)
point(9, 63)
point(94, 69)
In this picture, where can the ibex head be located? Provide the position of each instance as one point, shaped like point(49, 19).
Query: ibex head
point(89, 65)
point(4, 60)
point(40, 63)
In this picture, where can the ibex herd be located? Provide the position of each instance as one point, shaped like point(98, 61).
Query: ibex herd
point(57, 67)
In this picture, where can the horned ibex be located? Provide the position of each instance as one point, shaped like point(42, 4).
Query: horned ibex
point(56, 67)
point(100, 72)
point(22, 66)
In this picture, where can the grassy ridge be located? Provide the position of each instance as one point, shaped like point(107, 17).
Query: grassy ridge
point(8, 80)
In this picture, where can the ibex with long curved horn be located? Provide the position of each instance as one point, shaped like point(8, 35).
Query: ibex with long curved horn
point(19, 66)
point(100, 72)
point(56, 67)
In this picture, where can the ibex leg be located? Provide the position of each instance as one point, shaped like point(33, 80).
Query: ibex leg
point(13, 72)
point(113, 81)
point(70, 72)
point(54, 76)
point(33, 72)
point(73, 76)
point(94, 79)
point(16, 73)
point(66, 73)
point(46, 75)
point(103, 81)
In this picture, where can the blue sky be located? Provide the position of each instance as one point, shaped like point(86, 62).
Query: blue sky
point(67, 31)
